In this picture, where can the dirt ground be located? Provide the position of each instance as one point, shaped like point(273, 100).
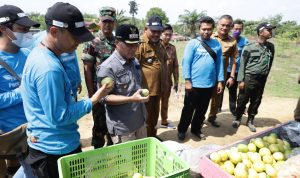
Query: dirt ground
point(272, 111)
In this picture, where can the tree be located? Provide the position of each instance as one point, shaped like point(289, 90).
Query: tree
point(90, 17)
point(158, 12)
point(133, 8)
point(189, 21)
point(40, 18)
point(121, 18)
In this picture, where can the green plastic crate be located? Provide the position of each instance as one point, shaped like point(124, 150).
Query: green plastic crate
point(146, 156)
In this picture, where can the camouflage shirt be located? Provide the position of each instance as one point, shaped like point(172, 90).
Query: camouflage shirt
point(98, 50)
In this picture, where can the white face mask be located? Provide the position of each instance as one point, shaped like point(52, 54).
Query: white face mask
point(23, 39)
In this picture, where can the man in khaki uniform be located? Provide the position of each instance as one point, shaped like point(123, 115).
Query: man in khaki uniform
point(172, 70)
point(229, 51)
point(152, 57)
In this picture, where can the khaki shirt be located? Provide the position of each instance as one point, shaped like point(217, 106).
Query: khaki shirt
point(172, 64)
point(229, 49)
point(152, 58)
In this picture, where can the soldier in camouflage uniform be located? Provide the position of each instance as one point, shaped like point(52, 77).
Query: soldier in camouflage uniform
point(256, 62)
point(94, 53)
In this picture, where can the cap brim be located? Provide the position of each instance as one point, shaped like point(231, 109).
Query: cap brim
point(132, 42)
point(82, 34)
point(156, 28)
point(107, 18)
point(25, 21)
point(271, 27)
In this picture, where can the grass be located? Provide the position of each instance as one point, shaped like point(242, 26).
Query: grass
point(282, 80)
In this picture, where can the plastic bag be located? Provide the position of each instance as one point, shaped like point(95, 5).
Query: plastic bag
point(291, 133)
point(191, 155)
point(290, 168)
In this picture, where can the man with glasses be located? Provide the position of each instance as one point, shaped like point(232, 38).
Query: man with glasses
point(152, 57)
point(126, 112)
point(94, 53)
point(50, 109)
point(256, 62)
point(229, 51)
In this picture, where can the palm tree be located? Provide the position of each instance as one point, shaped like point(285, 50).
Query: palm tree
point(121, 19)
point(189, 21)
point(133, 8)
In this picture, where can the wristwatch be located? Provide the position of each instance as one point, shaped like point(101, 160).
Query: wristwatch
point(232, 77)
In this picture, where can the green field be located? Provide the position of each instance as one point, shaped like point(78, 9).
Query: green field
point(282, 81)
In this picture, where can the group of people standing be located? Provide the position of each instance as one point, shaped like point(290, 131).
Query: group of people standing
point(214, 60)
point(46, 96)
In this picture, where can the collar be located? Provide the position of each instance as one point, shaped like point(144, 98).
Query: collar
point(120, 58)
point(102, 36)
point(144, 38)
point(216, 35)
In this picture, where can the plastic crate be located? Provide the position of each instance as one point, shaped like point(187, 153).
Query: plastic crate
point(209, 169)
point(146, 156)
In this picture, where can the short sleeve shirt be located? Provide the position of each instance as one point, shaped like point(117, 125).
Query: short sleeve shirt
point(125, 118)
point(152, 58)
point(229, 48)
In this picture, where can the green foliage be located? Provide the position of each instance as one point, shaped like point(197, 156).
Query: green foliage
point(121, 18)
point(286, 29)
point(133, 9)
point(90, 18)
point(158, 12)
point(38, 18)
point(188, 22)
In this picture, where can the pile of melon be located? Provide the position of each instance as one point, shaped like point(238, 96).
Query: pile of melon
point(260, 158)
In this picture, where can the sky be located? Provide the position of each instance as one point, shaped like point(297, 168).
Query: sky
point(243, 9)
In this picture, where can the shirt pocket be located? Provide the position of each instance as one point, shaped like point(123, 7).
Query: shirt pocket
point(255, 56)
point(122, 82)
point(149, 57)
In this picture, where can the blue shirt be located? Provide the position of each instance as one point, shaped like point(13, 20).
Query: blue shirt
point(11, 106)
point(69, 61)
point(240, 43)
point(200, 67)
point(50, 109)
point(70, 64)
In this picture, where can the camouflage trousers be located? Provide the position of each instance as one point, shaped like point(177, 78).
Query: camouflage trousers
point(100, 128)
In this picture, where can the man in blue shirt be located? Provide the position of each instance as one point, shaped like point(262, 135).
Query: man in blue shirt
point(50, 109)
point(69, 62)
point(237, 29)
point(14, 34)
point(200, 71)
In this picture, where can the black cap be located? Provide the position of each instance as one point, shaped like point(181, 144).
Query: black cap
point(155, 23)
point(128, 34)
point(264, 25)
point(10, 13)
point(67, 16)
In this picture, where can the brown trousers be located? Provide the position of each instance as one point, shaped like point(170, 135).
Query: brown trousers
point(152, 107)
point(4, 164)
point(216, 99)
point(165, 105)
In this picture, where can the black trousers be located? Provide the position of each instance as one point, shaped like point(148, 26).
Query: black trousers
point(232, 93)
point(195, 106)
point(253, 91)
point(100, 128)
point(45, 165)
